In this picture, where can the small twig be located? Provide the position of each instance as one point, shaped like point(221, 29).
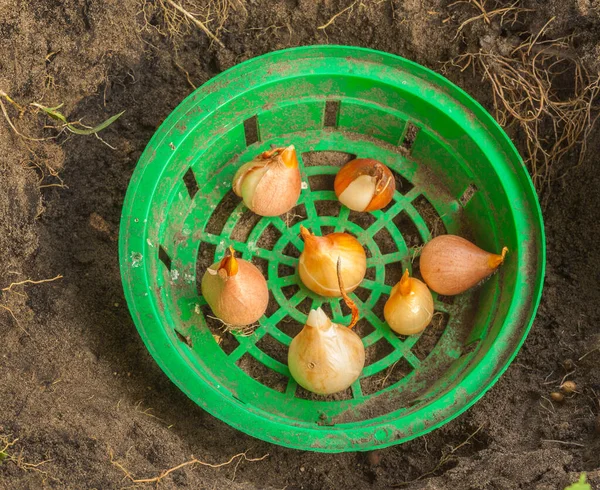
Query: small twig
point(195, 21)
point(325, 26)
point(29, 281)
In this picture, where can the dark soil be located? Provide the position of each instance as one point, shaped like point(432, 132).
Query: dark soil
point(78, 388)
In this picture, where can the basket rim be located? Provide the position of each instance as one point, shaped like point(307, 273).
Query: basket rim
point(450, 405)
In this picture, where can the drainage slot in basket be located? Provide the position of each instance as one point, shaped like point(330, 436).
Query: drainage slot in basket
point(416, 267)
point(386, 377)
point(251, 130)
point(326, 307)
point(403, 185)
point(364, 220)
point(378, 351)
point(431, 217)
point(291, 251)
point(295, 215)
point(305, 305)
point(328, 208)
point(385, 242)
point(290, 327)
point(393, 274)
point(273, 348)
point(326, 158)
point(362, 293)
point(261, 264)
point(261, 373)
point(468, 194)
point(431, 335)
point(289, 291)
point(189, 179)
point(284, 270)
point(378, 308)
point(206, 258)
point(410, 134)
point(363, 328)
point(272, 306)
point(322, 182)
point(244, 226)
point(183, 338)
point(163, 256)
point(221, 213)
point(269, 237)
point(409, 230)
point(330, 117)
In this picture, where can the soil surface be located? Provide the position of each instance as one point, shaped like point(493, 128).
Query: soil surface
point(82, 403)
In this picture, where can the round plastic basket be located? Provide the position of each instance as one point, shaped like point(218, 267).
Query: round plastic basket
point(456, 172)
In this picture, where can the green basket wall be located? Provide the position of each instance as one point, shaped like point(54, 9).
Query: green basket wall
point(456, 172)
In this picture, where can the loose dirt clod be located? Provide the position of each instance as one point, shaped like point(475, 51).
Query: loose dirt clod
point(569, 387)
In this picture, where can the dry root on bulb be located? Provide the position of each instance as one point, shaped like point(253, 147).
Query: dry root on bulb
point(364, 184)
point(270, 184)
point(235, 290)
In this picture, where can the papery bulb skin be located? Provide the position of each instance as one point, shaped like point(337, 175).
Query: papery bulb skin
point(325, 357)
point(270, 185)
point(236, 291)
point(409, 308)
point(317, 265)
point(450, 264)
point(364, 184)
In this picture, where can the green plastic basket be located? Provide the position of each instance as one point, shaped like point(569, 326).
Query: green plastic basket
point(456, 172)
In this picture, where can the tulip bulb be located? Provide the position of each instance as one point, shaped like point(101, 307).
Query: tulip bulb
point(409, 308)
point(317, 265)
point(364, 184)
point(450, 264)
point(325, 357)
point(270, 184)
point(235, 290)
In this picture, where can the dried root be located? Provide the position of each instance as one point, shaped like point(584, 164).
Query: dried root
point(178, 15)
point(528, 89)
point(194, 461)
point(7, 455)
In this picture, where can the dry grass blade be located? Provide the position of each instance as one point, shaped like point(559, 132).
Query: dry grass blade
point(193, 461)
